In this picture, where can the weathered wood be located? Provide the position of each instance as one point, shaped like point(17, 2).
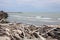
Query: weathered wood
point(20, 31)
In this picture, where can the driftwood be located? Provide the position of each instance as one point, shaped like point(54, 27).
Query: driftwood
point(17, 31)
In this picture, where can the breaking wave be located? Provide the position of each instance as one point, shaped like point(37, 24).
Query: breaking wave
point(33, 18)
point(38, 17)
point(58, 18)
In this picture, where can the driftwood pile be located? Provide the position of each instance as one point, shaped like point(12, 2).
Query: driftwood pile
point(18, 31)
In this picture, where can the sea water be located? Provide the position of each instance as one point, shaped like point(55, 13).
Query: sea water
point(37, 18)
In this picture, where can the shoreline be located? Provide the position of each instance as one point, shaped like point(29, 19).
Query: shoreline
point(50, 25)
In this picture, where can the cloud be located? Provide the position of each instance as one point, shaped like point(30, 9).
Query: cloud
point(38, 3)
point(7, 3)
point(31, 4)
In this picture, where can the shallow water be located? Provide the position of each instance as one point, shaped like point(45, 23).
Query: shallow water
point(35, 18)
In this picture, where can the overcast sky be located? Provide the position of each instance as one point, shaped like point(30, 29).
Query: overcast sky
point(30, 5)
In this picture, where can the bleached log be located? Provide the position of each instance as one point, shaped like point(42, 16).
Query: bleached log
point(48, 31)
point(42, 38)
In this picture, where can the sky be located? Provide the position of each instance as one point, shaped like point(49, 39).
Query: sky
point(30, 5)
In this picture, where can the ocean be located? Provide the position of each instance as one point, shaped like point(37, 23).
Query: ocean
point(36, 18)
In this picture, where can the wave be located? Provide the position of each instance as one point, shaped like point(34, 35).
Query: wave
point(58, 18)
point(46, 18)
point(41, 17)
point(31, 17)
point(48, 21)
point(14, 16)
point(38, 17)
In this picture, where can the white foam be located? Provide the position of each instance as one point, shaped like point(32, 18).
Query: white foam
point(48, 21)
point(46, 18)
point(38, 17)
point(58, 18)
point(30, 17)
